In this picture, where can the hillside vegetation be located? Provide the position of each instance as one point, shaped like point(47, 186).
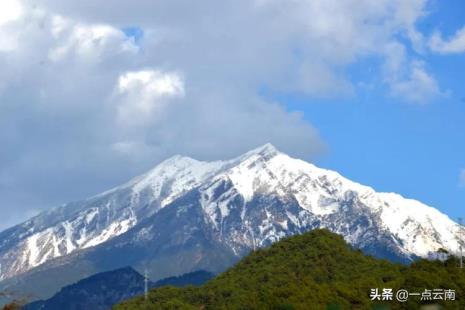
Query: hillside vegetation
point(316, 270)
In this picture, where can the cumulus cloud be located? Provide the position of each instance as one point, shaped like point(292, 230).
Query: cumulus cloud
point(11, 10)
point(84, 105)
point(87, 42)
point(454, 44)
point(142, 95)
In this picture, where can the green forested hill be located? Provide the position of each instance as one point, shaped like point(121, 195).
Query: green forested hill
point(316, 270)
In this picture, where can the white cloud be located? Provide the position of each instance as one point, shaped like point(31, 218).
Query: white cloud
point(419, 86)
point(462, 178)
point(141, 95)
point(151, 83)
point(88, 42)
point(455, 44)
point(408, 78)
point(10, 10)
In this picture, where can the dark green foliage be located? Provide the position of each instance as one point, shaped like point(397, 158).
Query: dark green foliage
point(316, 270)
point(195, 278)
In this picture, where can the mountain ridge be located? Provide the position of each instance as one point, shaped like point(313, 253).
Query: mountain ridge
point(101, 291)
point(218, 212)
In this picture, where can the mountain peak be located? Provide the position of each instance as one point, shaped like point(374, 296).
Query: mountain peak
point(266, 150)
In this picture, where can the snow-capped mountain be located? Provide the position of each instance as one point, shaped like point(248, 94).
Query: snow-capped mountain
point(87, 223)
point(186, 214)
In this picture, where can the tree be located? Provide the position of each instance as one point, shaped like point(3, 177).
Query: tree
point(443, 254)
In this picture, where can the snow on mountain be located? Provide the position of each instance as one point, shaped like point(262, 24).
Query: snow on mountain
point(87, 223)
point(323, 198)
point(248, 202)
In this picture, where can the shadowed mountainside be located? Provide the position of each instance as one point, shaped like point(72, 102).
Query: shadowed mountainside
point(103, 290)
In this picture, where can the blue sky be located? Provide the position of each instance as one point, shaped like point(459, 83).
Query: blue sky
point(92, 95)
